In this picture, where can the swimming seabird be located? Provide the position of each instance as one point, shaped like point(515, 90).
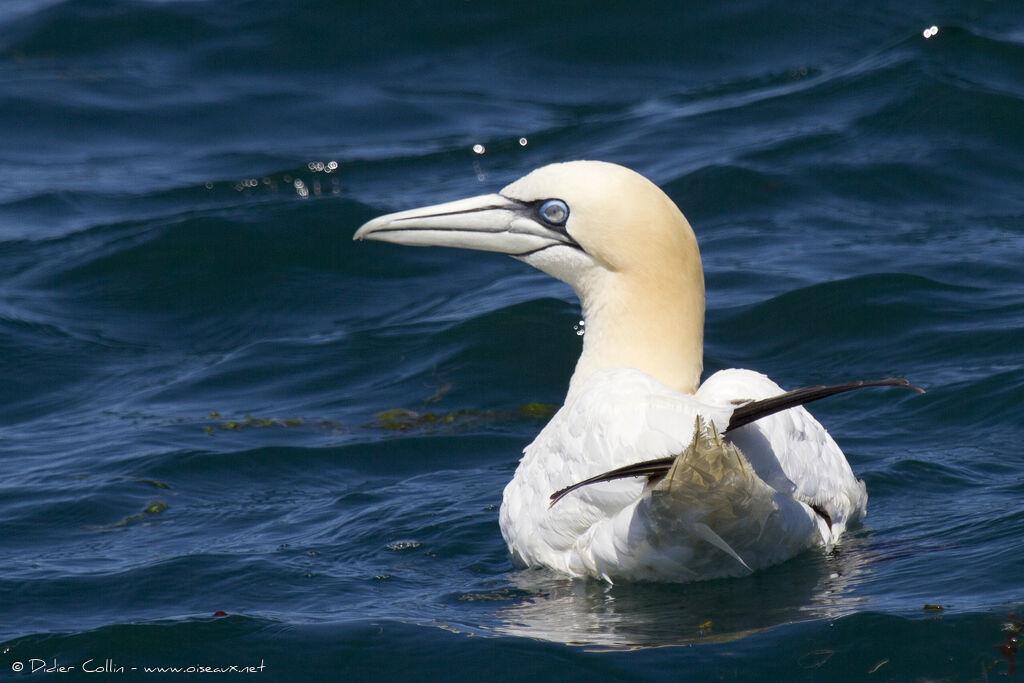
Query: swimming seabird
point(644, 473)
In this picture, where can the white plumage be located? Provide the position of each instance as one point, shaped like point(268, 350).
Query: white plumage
point(726, 505)
point(750, 508)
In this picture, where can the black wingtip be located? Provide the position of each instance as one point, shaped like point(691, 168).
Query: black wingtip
point(901, 382)
point(743, 415)
point(755, 410)
point(647, 468)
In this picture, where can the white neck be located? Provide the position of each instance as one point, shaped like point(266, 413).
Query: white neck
point(650, 321)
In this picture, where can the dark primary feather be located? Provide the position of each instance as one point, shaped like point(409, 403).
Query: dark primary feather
point(755, 410)
point(743, 415)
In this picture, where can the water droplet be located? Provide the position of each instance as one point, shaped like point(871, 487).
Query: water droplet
point(930, 31)
point(522, 142)
point(479, 149)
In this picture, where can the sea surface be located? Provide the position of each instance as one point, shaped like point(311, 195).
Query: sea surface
point(232, 437)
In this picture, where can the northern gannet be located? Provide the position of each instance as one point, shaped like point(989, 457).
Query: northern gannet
point(644, 473)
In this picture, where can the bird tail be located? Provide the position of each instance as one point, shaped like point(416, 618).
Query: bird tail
point(711, 493)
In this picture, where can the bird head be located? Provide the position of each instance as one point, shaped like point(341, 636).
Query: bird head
point(607, 231)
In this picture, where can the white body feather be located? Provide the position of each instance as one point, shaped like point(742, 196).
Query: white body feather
point(626, 529)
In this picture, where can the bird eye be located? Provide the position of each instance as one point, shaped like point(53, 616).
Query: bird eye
point(554, 211)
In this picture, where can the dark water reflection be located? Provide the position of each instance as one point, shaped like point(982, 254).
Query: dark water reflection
point(631, 615)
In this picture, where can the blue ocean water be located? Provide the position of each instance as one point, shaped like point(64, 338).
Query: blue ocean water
point(230, 436)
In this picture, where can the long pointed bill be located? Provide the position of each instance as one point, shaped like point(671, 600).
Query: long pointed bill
point(489, 222)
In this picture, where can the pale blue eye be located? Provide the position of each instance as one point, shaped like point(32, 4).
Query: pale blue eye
point(554, 211)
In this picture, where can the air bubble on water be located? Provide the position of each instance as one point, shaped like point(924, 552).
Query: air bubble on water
point(405, 544)
point(522, 142)
point(479, 149)
point(930, 31)
point(580, 328)
point(300, 188)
